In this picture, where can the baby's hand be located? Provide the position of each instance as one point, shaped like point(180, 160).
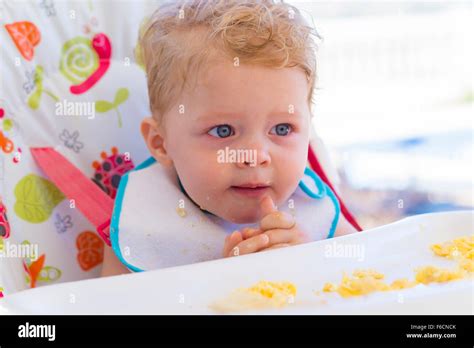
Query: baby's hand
point(235, 244)
point(277, 230)
point(280, 227)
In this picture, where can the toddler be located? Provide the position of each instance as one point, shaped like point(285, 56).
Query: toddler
point(230, 85)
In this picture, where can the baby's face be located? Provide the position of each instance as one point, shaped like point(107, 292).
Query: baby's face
point(241, 134)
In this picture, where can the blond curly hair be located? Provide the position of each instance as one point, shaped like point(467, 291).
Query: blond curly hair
point(181, 37)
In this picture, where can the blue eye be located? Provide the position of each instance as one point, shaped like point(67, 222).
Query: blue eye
point(222, 131)
point(281, 129)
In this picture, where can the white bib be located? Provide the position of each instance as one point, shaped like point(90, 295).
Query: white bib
point(149, 230)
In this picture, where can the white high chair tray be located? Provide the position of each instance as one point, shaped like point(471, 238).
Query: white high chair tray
point(394, 250)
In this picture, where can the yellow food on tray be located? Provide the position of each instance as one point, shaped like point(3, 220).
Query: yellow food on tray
point(431, 274)
point(467, 265)
point(460, 250)
point(403, 283)
point(368, 281)
point(264, 294)
point(277, 292)
point(462, 247)
point(364, 282)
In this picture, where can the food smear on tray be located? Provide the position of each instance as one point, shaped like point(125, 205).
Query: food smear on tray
point(264, 294)
point(363, 282)
point(268, 294)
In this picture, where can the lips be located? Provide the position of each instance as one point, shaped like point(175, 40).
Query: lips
point(251, 189)
point(251, 185)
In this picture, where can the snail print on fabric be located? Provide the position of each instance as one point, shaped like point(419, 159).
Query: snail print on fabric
point(84, 62)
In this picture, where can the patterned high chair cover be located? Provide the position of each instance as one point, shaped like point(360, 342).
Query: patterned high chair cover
point(70, 82)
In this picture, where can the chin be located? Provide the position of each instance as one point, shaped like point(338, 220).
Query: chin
point(249, 218)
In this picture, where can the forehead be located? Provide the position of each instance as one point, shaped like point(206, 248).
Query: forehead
point(253, 87)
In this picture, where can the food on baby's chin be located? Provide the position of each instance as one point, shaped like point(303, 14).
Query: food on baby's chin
point(264, 294)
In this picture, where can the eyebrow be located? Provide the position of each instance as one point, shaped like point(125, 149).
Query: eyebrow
point(211, 115)
point(286, 113)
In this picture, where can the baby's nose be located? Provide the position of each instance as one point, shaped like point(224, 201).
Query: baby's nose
point(253, 157)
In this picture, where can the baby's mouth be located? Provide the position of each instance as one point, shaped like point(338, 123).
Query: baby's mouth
point(251, 189)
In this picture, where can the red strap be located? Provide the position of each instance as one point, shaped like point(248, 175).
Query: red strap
point(91, 201)
point(313, 161)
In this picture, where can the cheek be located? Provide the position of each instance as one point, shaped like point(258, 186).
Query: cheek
point(291, 166)
point(197, 167)
point(294, 152)
point(292, 171)
point(200, 173)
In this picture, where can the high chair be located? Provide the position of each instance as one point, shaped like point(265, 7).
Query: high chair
point(62, 159)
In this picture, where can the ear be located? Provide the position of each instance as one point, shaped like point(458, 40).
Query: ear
point(154, 140)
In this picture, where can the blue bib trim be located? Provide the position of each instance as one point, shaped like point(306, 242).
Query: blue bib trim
point(114, 223)
point(323, 190)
